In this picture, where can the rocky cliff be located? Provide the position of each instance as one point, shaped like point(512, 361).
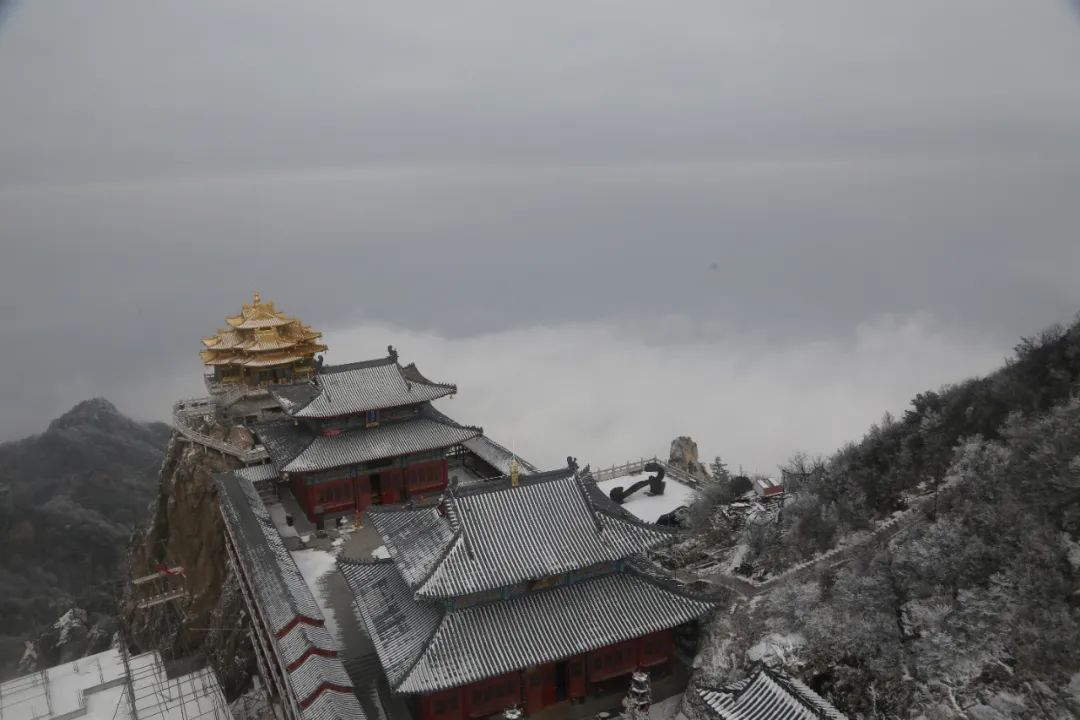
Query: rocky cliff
point(187, 531)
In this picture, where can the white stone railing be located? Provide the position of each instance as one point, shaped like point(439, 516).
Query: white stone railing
point(635, 467)
point(184, 411)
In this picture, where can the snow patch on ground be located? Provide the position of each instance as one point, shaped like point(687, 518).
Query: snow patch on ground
point(277, 514)
point(777, 649)
point(380, 553)
point(315, 565)
point(738, 554)
point(1072, 551)
point(647, 507)
point(665, 709)
point(1074, 687)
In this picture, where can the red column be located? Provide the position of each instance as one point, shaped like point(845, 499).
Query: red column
point(362, 491)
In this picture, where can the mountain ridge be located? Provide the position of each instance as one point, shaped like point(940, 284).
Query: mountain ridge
point(70, 498)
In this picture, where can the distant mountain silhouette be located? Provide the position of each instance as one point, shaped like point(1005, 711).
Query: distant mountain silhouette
point(69, 499)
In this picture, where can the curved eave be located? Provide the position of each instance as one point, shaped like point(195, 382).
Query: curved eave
point(305, 413)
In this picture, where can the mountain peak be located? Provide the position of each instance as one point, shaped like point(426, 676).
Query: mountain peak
point(95, 411)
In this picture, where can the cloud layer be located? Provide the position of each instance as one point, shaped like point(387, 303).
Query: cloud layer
point(606, 393)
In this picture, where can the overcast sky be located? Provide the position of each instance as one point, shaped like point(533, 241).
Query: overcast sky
point(761, 223)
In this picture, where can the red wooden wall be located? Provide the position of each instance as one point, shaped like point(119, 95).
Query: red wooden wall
point(536, 689)
point(539, 688)
point(612, 661)
point(655, 649)
point(491, 696)
point(355, 494)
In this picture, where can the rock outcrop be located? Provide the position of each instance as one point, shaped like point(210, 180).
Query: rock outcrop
point(187, 531)
point(684, 456)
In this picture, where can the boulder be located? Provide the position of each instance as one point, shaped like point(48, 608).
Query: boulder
point(241, 437)
point(684, 456)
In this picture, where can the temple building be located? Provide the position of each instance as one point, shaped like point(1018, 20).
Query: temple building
point(366, 433)
point(526, 591)
point(342, 437)
point(766, 695)
point(261, 347)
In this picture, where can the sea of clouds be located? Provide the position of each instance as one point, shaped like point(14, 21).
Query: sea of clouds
point(607, 392)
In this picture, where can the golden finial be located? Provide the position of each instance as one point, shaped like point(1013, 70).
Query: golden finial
point(256, 300)
point(513, 465)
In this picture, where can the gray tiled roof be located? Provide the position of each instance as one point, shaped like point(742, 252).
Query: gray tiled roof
point(498, 456)
point(283, 441)
point(294, 449)
point(258, 473)
point(301, 638)
point(399, 626)
point(417, 540)
point(316, 670)
point(334, 705)
point(282, 592)
point(769, 695)
point(425, 648)
point(358, 387)
point(494, 535)
point(283, 596)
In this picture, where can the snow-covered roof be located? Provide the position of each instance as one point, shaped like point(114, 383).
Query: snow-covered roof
point(425, 647)
point(296, 625)
point(341, 390)
point(769, 695)
point(294, 449)
point(95, 687)
point(496, 535)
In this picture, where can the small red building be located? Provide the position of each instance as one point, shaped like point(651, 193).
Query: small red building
point(522, 593)
point(362, 434)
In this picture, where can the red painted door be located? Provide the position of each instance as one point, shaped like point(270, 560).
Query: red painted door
point(575, 669)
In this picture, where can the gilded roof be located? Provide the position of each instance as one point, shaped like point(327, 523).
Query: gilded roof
point(261, 336)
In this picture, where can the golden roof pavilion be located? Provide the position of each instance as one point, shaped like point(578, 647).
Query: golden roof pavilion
point(262, 346)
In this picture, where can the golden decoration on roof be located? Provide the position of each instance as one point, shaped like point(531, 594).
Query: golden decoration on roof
point(262, 345)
